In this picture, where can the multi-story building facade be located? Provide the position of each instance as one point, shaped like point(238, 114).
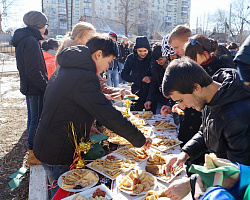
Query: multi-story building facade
point(139, 17)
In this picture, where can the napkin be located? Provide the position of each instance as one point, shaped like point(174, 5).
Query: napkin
point(207, 175)
point(96, 138)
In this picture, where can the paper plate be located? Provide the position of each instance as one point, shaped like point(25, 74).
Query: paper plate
point(77, 190)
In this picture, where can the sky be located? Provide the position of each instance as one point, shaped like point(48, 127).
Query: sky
point(198, 8)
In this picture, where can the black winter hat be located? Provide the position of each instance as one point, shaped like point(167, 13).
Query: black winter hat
point(35, 19)
point(142, 41)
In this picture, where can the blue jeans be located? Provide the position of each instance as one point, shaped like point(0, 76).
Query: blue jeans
point(34, 107)
point(53, 172)
point(121, 66)
point(113, 76)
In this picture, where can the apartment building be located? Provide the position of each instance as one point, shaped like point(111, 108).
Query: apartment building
point(140, 17)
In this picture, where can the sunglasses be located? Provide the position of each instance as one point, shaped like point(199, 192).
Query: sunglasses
point(193, 42)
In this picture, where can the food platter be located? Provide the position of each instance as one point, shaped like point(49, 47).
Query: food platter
point(162, 124)
point(142, 114)
point(134, 154)
point(110, 169)
point(93, 174)
point(163, 143)
point(138, 121)
point(118, 140)
point(169, 177)
point(150, 181)
point(88, 193)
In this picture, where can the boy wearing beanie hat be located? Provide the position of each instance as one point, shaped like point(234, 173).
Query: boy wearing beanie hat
point(137, 70)
point(32, 71)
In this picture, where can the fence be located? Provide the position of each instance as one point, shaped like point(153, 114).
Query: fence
point(7, 49)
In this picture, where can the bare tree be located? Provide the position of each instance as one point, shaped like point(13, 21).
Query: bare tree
point(219, 17)
point(240, 19)
point(126, 9)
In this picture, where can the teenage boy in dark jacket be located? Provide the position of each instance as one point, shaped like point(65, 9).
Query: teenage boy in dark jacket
point(157, 69)
point(137, 71)
point(73, 95)
point(32, 70)
point(225, 104)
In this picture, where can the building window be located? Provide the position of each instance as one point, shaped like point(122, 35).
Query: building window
point(53, 10)
point(63, 24)
point(61, 9)
point(61, 1)
point(53, 2)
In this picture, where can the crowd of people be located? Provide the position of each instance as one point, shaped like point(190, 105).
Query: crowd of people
point(74, 80)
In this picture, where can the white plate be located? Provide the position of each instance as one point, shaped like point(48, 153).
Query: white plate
point(76, 190)
point(151, 122)
point(119, 178)
point(164, 149)
point(139, 112)
point(172, 176)
point(103, 158)
point(139, 161)
point(88, 193)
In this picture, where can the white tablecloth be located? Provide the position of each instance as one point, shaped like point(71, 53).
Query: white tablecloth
point(161, 185)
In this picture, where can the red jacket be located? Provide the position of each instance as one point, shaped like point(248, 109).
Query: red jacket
point(50, 63)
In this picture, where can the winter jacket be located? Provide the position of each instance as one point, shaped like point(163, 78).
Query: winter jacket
point(214, 64)
point(30, 61)
point(225, 128)
point(73, 95)
point(50, 62)
point(243, 55)
point(124, 53)
point(242, 60)
point(155, 88)
point(135, 69)
point(225, 55)
point(114, 64)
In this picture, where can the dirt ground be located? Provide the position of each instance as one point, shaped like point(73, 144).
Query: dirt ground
point(13, 140)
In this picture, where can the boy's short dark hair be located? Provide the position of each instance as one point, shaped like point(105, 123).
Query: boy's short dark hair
point(106, 44)
point(182, 74)
point(156, 52)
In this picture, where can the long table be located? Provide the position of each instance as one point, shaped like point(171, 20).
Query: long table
point(119, 195)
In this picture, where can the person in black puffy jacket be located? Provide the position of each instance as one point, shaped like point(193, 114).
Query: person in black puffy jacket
point(225, 104)
point(32, 70)
point(73, 95)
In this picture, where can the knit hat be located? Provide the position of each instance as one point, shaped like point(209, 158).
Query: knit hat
point(112, 34)
point(142, 42)
point(35, 19)
point(124, 39)
point(166, 48)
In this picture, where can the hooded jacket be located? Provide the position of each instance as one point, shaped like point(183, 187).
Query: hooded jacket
point(243, 55)
point(155, 88)
point(225, 126)
point(73, 95)
point(30, 61)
